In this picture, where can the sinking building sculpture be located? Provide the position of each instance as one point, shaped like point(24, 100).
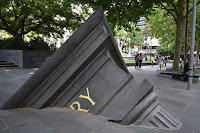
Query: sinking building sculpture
point(88, 74)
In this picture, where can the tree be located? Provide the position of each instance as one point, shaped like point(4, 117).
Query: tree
point(163, 27)
point(121, 12)
point(35, 44)
point(165, 51)
point(146, 32)
point(133, 33)
point(47, 17)
point(176, 9)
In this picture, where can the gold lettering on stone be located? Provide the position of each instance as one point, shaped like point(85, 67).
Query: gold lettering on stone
point(88, 97)
point(79, 107)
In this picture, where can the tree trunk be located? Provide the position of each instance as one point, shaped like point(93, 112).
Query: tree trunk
point(18, 39)
point(177, 49)
point(197, 53)
point(179, 30)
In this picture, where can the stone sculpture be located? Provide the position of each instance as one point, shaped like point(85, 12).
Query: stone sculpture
point(88, 74)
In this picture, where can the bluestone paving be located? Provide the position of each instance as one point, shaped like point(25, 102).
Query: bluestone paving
point(50, 131)
point(24, 122)
point(196, 131)
point(11, 80)
point(6, 131)
point(172, 101)
point(181, 103)
point(2, 125)
point(174, 97)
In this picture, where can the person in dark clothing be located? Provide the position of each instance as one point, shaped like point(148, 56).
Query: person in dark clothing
point(136, 60)
point(140, 57)
point(185, 73)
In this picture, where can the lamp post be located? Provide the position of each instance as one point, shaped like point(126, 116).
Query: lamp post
point(190, 76)
point(150, 47)
point(129, 41)
point(186, 33)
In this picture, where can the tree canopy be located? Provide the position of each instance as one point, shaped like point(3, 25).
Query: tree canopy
point(134, 34)
point(47, 17)
point(163, 27)
point(120, 12)
point(19, 17)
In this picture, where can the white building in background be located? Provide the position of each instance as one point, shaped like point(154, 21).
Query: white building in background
point(59, 41)
point(149, 48)
point(141, 22)
point(150, 45)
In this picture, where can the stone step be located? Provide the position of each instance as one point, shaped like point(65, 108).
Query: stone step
point(6, 63)
point(8, 66)
point(3, 61)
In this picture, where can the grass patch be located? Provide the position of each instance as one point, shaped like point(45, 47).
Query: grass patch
point(171, 61)
point(133, 61)
point(179, 69)
point(182, 69)
point(129, 61)
point(152, 57)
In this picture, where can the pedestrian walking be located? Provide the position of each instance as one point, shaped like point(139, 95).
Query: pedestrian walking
point(140, 57)
point(160, 60)
point(136, 60)
point(166, 59)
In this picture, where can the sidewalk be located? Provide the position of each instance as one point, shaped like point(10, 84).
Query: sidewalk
point(172, 94)
point(174, 97)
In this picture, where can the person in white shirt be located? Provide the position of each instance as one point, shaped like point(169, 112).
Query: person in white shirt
point(160, 60)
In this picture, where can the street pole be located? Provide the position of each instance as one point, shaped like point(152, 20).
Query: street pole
point(190, 76)
point(150, 48)
point(129, 46)
point(168, 50)
point(186, 33)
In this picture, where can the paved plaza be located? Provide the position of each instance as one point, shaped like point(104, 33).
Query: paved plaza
point(172, 94)
point(174, 97)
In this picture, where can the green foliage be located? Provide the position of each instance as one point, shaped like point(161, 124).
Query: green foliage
point(38, 44)
point(134, 33)
point(178, 69)
point(137, 37)
point(11, 43)
point(163, 27)
point(34, 44)
point(133, 61)
point(197, 30)
point(47, 17)
point(122, 12)
point(129, 61)
point(165, 51)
